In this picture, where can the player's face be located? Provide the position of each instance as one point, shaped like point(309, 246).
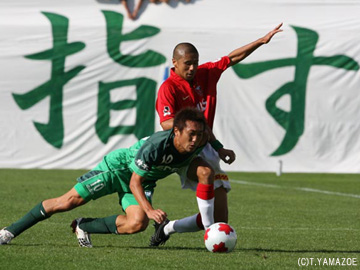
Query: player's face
point(187, 140)
point(186, 66)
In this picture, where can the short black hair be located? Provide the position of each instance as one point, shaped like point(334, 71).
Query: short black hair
point(182, 48)
point(188, 114)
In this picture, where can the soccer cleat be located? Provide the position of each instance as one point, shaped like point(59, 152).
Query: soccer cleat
point(82, 236)
point(5, 237)
point(159, 237)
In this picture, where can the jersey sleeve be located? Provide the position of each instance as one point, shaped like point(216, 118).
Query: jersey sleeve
point(221, 64)
point(144, 159)
point(165, 102)
point(216, 68)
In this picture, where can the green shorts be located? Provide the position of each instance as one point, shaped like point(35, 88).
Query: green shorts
point(98, 183)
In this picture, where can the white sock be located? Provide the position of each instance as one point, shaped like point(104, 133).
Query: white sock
point(188, 224)
point(205, 197)
point(169, 228)
point(206, 208)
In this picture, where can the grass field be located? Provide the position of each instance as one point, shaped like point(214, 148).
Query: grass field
point(280, 221)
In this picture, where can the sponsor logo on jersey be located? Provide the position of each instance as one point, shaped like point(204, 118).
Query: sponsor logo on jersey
point(142, 165)
point(166, 111)
point(148, 194)
point(202, 105)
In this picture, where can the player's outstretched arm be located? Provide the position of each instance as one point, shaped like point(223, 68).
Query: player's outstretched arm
point(138, 191)
point(241, 53)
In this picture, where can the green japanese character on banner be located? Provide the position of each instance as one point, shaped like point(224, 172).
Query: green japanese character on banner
point(293, 121)
point(114, 25)
point(145, 88)
point(144, 105)
point(53, 131)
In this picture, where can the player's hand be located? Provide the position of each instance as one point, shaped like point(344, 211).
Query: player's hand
point(157, 214)
point(227, 155)
point(268, 36)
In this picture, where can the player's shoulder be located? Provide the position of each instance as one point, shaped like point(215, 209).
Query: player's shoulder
point(225, 60)
point(168, 85)
point(157, 144)
point(160, 139)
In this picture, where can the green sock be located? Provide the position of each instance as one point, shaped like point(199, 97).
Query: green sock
point(99, 225)
point(31, 218)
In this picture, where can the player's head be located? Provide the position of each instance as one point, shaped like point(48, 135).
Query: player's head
point(189, 129)
point(185, 60)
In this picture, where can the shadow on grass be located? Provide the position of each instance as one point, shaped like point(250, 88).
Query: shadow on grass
point(53, 245)
point(157, 248)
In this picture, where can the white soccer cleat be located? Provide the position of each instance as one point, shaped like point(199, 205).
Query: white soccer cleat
point(82, 236)
point(5, 237)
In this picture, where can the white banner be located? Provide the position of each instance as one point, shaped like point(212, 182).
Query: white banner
point(79, 79)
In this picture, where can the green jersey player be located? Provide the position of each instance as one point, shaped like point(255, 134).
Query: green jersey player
point(132, 173)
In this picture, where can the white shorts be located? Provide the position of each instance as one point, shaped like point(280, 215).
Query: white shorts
point(211, 157)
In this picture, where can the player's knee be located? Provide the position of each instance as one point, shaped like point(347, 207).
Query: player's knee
point(65, 204)
point(205, 175)
point(137, 225)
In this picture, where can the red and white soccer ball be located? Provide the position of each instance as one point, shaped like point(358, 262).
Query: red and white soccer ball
point(220, 237)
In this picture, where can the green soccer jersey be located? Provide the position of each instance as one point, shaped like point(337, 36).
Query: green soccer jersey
point(158, 157)
point(153, 158)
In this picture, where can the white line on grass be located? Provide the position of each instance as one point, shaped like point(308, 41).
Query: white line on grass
point(296, 188)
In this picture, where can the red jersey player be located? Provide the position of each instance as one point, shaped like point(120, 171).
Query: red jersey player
point(190, 85)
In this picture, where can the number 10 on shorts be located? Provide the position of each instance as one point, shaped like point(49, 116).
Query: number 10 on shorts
point(95, 186)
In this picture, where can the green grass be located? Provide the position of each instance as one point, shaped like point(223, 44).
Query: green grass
point(276, 224)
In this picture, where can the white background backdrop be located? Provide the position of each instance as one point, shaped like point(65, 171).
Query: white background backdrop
point(330, 142)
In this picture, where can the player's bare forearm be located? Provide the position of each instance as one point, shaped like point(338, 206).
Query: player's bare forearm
point(138, 191)
point(167, 124)
point(241, 53)
point(211, 135)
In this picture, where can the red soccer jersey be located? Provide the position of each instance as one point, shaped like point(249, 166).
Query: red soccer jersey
point(176, 93)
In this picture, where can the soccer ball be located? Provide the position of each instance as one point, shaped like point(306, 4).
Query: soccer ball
point(220, 237)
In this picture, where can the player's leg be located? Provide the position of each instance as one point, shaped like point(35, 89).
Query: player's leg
point(42, 211)
point(221, 184)
point(193, 223)
point(66, 202)
point(134, 221)
point(95, 184)
point(199, 169)
point(221, 213)
point(201, 173)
